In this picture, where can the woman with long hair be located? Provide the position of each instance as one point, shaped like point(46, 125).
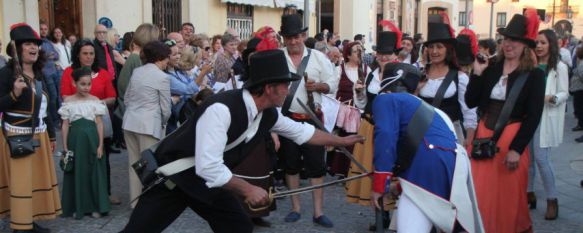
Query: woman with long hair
point(29, 189)
point(445, 85)
point(501, 179)
point(550, 131)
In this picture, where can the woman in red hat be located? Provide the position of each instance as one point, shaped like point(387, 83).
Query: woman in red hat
point(28, 183)
point(501, 179)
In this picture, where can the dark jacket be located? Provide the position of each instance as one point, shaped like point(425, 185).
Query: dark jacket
point(529, 105)
point(100, 56)
point(26, 103)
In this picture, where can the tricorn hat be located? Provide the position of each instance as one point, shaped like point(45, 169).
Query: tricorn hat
point(291, 25)
point(22, 32)
point(268, 66)
point(400, 77)
point(522, 27)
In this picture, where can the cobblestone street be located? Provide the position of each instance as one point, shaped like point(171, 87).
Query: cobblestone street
point(567, 161)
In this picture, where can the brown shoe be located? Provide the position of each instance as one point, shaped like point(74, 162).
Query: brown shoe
point(552, 209)
point(114, 200)
point(531, 200)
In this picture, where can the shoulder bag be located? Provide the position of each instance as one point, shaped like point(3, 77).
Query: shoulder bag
point(485, 148)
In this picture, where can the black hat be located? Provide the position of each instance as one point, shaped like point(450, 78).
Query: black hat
point(463, 50)
point(268, 67)
point(22, 32)
point(518, 28)
point(387, 43)
point(397, 75)
point(439, 32)
point(291, 25)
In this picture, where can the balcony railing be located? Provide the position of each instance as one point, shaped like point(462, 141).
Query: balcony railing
point(244, 26)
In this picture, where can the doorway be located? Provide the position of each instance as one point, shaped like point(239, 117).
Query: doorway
point(65, 14)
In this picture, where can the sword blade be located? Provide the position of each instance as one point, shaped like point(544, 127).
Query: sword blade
point(310, 188)
point(320, 125)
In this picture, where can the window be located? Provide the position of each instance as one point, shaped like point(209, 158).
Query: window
point(501, 19)
point(167, 15)
point(240, 18)
point(462, 18)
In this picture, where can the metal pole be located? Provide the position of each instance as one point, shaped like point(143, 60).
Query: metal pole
point(553, 20)
point(307, 16)
point(491, 18)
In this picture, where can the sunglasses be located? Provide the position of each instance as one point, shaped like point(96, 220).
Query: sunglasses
point(207, 49)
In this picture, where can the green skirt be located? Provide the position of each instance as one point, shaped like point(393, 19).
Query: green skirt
point(85, 188)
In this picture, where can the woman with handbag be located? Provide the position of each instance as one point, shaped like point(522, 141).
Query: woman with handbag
point(550, 131)
point(148, 107)
point(85, 183)
point(101, 87)
point(28, 182)
point(500, 158)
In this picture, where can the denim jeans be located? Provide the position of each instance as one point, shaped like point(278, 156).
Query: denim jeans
point(541, 156)
point(53, 82)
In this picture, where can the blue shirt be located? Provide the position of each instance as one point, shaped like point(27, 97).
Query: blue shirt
point(51, 55)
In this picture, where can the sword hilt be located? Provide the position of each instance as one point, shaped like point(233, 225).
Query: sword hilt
point(257, 209)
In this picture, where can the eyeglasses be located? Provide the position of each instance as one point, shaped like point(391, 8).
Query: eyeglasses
point(170, 43)
point(100, 32)
point(207, 49)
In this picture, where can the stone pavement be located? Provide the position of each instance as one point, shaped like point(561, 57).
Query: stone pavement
point(348, 218)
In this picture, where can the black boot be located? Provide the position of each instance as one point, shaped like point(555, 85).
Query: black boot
point(531, 200)
point(39, 229)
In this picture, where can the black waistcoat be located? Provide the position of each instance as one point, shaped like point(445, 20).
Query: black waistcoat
point(451, 106)
point(181, 144)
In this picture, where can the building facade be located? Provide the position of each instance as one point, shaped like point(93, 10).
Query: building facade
point(345, 17)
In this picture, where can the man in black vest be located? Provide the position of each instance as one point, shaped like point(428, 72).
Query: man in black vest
point(210, 188)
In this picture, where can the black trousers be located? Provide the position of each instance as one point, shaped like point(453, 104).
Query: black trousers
point(159, 207)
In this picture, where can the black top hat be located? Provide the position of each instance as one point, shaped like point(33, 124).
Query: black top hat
point(400, 74)
point(439, 32)
point(463, 50)
point(291, 25)
point(387, 43)
point(517, 29)
point(268, 67)
point(22, 32)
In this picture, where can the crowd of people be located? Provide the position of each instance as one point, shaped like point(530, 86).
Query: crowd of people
point(491, 111)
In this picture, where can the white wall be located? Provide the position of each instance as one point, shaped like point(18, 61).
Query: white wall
point(356, 17)
point(125, 15)
point(16, 12)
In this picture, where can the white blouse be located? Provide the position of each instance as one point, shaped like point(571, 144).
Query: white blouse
point(86, 109)
point(373, 87)
point(499, 90)
point(432, 85)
